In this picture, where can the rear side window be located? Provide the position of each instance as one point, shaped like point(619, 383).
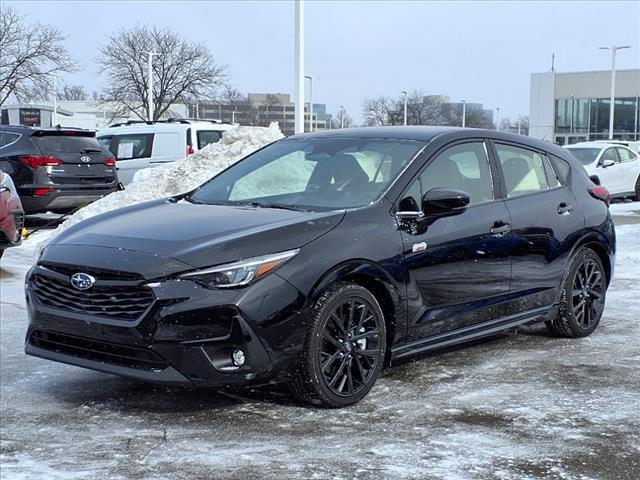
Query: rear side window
point(561, 167)
point(625, 155)
point(7, 138)
point(609, 154)
point(65, 143)
point(524, 170)
point(129, 146)
point(205, 137)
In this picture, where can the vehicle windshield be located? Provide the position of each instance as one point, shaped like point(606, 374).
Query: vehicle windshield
point(314, 174)
point(66, 143)
point(586, 155)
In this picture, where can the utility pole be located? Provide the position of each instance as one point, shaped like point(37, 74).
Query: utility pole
point(310, 102)
point(150, 55)
point(299, 67)
point(404, 122)
point(613, 49)
point(464, 113)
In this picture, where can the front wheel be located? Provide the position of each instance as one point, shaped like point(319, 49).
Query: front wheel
point(344, 348)
point(582, 297)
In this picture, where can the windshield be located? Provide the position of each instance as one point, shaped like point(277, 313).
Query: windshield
point(66, 143)
point(586, 155)
point(317, 173)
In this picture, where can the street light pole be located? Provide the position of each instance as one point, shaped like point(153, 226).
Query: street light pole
point(613, 49)
point(150, 55)
point(299, 68)
point(405, 108)
point(55, 100)
point(310, 102)
point(497, 118)
point(341, 116)
point(464, 113)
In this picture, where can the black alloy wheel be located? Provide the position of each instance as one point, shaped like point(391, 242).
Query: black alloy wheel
point(582, 298)
point(345, 347)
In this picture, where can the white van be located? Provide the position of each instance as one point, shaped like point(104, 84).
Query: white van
point(137, 144)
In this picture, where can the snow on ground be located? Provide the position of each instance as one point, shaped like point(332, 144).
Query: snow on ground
point(625, 208)
point(183, 175)
point(518, 406)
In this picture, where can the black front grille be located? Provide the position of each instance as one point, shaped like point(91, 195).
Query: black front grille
point(91, 349)
point(121, 302)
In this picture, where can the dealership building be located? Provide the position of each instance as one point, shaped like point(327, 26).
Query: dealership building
point(573, 107)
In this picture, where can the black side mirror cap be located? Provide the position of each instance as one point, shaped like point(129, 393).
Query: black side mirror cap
point(444, 201)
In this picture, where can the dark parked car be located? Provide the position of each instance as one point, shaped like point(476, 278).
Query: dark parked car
point(322, 257)
point(56, 169)
point(11, 214)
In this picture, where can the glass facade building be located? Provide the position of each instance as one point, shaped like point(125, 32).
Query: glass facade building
point(574, 107)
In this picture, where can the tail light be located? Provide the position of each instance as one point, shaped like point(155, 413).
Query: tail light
point(110, 162)
point(189, 150)
point(35, 161)
point(41, 192)
point(601, 193)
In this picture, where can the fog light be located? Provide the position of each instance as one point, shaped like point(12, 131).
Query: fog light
point(238, 358)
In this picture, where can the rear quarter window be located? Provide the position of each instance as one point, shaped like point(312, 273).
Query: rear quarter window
point(8, 138)
point(129, 146)
point(206, 137)
point(561, 167)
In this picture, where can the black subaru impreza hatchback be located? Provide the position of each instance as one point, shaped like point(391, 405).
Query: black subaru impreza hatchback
point(323, 257)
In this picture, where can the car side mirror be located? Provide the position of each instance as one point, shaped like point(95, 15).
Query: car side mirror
point(608, 163)
point(444, 201)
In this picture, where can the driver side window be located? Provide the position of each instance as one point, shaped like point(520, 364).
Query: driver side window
point(463, 167)
point(609, 154)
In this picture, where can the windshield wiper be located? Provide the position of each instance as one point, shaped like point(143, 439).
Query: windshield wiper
point(281, 206)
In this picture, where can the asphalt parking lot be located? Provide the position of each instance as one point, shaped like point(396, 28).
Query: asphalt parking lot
point(516, 406)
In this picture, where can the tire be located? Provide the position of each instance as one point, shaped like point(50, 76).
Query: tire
point(637, 198)
point(582, 297)
point(1, 253)
point(344, 348)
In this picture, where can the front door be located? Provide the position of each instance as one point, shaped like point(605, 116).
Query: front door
point(459, 266)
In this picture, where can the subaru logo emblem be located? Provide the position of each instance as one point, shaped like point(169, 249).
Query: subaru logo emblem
point(82, 281)
point(85, 159)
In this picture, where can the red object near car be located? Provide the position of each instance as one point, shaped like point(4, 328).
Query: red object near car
point(11, 214)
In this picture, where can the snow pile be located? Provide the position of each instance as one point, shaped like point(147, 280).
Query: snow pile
point(183, 175)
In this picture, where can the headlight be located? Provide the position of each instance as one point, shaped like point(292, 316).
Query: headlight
point(239, 273)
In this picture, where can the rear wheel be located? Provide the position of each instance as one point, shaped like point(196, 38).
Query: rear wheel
point(344, 349)
point(638, 189)
point(582, 297)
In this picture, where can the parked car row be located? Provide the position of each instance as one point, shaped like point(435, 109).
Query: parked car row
point(60, 169)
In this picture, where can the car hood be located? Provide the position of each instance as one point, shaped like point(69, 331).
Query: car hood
point(195, 235)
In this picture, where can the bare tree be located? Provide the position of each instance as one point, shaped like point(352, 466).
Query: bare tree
point(231, 95)
point(342, 119)
point(29, 56)
point(73, 92)
point(505, 124)
point(382, 111)
point(183, 70)
point(479, 118)
point(270, 101)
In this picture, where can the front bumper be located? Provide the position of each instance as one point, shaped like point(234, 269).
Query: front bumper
point(186, 336)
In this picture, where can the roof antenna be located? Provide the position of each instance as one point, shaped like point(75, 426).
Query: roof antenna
point(553, 62)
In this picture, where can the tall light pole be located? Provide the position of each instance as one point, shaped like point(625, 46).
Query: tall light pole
point(405, 108)
point(233, 115)
point(310, 102)
point(150, 55)
point(613, 49)
point(341, 116)
point(497, 118)
point(55, 100)
point(299, 68)
point(464, 113)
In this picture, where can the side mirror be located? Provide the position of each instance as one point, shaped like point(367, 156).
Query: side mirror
point(444, 201)
point(608, 163)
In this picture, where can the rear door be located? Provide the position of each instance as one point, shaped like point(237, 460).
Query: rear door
point(83, 160)
point(132, 152)
point(545, 218)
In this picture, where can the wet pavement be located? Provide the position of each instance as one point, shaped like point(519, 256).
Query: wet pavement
point(516, 406)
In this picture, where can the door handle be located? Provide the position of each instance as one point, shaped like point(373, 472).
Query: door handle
point(500, 229)
point(565, 209)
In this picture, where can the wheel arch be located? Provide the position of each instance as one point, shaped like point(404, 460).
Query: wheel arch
point(597, 242)
point(379, 282)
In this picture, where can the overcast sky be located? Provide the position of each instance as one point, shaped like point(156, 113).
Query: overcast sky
point(478, 51)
